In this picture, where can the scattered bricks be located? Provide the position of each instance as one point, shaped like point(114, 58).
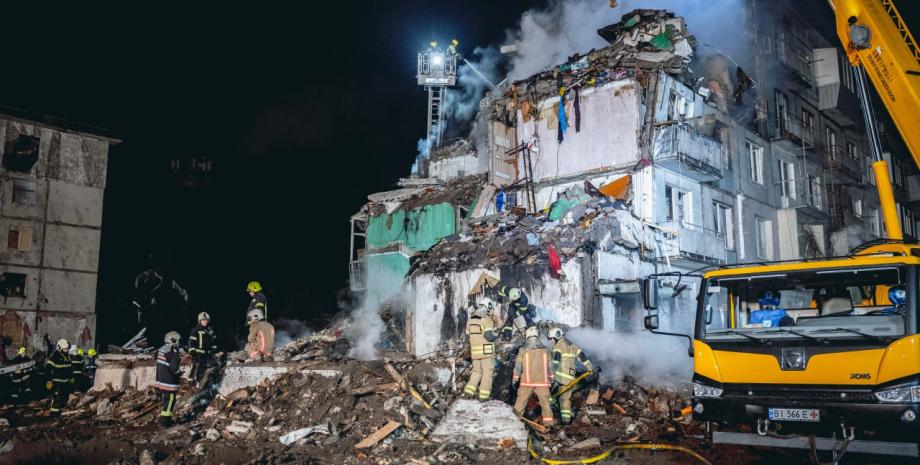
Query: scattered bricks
point(608, 394)
point(593, 397)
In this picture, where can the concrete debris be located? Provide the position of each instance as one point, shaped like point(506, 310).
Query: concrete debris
point(239, 427)
point(480, 423)
point(591, 443)
point(296, 435)
point(146, 458)
point(6, 446)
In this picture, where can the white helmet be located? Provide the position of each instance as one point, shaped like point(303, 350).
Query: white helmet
point(489, 304)
point(63, 345)
point(204, 316)
point(514, 294)
point(73, 350)
point(531, 331)
point(254, 315)
point(172, 338)
point(556, 333)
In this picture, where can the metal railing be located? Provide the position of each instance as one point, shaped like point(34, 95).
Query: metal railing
point(794, 129)
point(682, 142)
point(357, 275)
point(692, 241)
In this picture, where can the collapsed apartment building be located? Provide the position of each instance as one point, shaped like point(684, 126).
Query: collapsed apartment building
point(52, 182)
point(631, 159)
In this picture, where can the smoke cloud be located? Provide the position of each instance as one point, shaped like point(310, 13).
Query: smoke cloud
point(383, 288)
point(847, 238)
point(287, 331)
point(649, 358)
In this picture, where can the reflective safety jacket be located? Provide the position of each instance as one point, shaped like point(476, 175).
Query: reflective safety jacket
point(516, 308)
point(60, 367)
point(202, 340)
point(77, 362)
point(168, 368)
point(532, 366)
point(482, 335)
point(22, 377)
point(565, 355)
point(258, 302)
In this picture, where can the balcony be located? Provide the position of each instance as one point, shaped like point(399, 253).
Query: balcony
point(682, 149)
point(357, 275)
point(689, 242)
point(837, 159)
point(793, 133)
point(796, 59)
point(835, 100)
point(913, 188)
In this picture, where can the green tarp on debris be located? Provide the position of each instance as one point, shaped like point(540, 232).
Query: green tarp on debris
point(661, 41)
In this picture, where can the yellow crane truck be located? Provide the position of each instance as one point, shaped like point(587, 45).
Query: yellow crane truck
point(824, 354)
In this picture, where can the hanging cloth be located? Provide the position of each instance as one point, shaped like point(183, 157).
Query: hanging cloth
point(562, 122)
point(576, 103)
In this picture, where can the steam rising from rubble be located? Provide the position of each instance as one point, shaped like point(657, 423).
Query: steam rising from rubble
point(383, 288)
point(844, 240)
point(287, 331)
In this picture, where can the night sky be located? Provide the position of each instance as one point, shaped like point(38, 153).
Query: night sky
point(303, 112)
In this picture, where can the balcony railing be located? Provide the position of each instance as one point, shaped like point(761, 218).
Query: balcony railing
point(794, 130)
point(683, 149)
point(837, 158)
point(797, 58)
point(691, 242)
point(357, 275)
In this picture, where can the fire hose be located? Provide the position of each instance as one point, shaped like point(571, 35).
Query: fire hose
point(606, 454)
point(571, 384)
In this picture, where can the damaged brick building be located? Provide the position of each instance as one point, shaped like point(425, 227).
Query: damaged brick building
point(52, 182)
point(644, 156)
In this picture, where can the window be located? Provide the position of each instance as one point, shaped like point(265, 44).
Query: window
point(13, 328)
point(846, 72)
point(13, 285)
point(755, 156)
point(816, 192)
point(21, 153)
point(787, 179)
point(723, 223)
point(678, 204)
point(20, 238)
point(23, 192)
point(851, 151)
point(782, 113)
point(870, 173)
point(808, 124)
point(858, 208)
point(875, 222)
point(830, 143)
point(764, 238)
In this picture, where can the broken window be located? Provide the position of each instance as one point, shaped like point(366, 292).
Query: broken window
point(816, 192)
point(755, 156)
point(858, 208)
point(851, 151)
point(20, 238)
point(830, 143)
point(13, 285)
point(723, 223)
point(787, 179)
point(678, 204)
point(13, 329)
point(21, 153)
point(808, 122)
point(23, 192)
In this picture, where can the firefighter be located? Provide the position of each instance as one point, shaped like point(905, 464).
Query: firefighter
point(202, 345)
point(62, 380)
point(258, 302)
point(481, 330)
point(168, 374)
point(452, 48)
point(533, 370)
point(76, 360)
point(566, 357)
point(22, 377)
point(518, 306)
point(261, 340)
point(89, 368)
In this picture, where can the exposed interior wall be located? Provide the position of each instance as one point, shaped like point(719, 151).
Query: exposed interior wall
point(417, 229)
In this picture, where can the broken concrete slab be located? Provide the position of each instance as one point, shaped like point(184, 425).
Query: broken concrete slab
point(484, 424)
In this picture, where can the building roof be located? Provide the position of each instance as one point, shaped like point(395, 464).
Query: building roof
point(57, 124)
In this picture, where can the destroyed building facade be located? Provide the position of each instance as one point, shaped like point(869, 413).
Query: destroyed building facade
point(52, 182)
point(660, 159)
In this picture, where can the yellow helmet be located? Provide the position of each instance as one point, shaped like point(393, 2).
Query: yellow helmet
point(91, 352)
point(253, 286)
point(80, 352)
point(455, 42)
point(434, 43)
point(21, 351)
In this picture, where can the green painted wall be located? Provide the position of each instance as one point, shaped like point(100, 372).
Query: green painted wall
point(425, 226)
point(385, 273)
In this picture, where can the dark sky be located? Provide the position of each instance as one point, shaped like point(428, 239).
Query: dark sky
point(304, 112)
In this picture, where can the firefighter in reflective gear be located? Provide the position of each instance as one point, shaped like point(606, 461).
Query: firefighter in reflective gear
point(89, 368)
point(481, 330)
point(566, 357)
point(261, 340)
point(168, 374)
point(76, 359)
point(258, 302)
point(452, 48)
point(533, 370)
point(61, 371)
point(22, 377)
point(518, 306)
point(202, 344)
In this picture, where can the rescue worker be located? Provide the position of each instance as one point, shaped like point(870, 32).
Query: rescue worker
point(168, 374)
point(481, 330)
point(22, 377)
point(89, 368)
point(202, 344)
point(533, 370)
point(518, 306)
point(261, 340)
point(258, 302)
point(452, 48)
point(76, 361)
point(62, 380)
point(566, 357)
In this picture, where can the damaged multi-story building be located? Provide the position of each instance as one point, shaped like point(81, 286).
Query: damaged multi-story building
point(645, 156)
point(52, 182)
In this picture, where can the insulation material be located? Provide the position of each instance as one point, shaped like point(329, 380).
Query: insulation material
point(618, 189)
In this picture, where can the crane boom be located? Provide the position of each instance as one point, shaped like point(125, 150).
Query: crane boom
point(879, 44)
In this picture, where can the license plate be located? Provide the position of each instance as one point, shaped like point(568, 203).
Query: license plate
point(794, 414)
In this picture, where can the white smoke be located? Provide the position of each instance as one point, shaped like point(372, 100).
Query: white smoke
point(649, 358)
point(384, 287)
point(287, 331)
point(847, 238)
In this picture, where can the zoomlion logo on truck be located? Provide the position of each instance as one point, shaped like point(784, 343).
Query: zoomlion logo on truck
point(860, 376)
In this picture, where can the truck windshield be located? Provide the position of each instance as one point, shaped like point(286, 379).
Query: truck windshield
point(846, 303)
